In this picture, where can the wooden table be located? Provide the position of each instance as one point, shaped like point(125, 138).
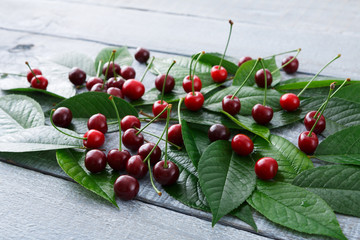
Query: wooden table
point(38, 201)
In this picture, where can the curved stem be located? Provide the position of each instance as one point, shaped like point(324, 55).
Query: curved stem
point(193, 73)
point(151, 179)
point(166, 142)
point(282, 66)
point(227, 44)
point(164, 83)
point(179, 109)
point(108, 66)
point(114, 73)
point(153, 120)
point(147, 69)
point(99, 69)
point(118, 119)
point(265, 90)
point(246, 79)
point(153, 135)
point(278, 54)
point(52, 123)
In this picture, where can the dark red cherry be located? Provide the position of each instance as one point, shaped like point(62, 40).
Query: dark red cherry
point(169, 84)
point(218, 132)
point(262, 114)
point(98, 87)
point(242, 144)
point(30, 75)
point(133, 89)
point(308, 144)
point(129, 121)
point(142, 55)
point(136, 167)
point(187, 84)
point(145, 149)
point(110, 73)
point(244, 60)
point(95, 139)
point(291, 67)
point(260, 78)
point(158, 108)
point(77, 76)
point(128, 72)
point(115, 92)
point(231, 106)
point(175, 135)
point(126, 187)
point(218, 75)
point(194, 102)
point(95, 161)
point(266, 168)
point(117, 159)
point(92, 81)
point(289, 102)
point(115, 82)
point(166, 176)
point(131, 140)
point(62, 117)
point(98, 122)
point(309, 122)
point(39, 82)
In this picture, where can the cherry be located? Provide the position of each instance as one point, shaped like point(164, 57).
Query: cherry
point(129, 121)
point(98, 87)
point(92, 81)
point(187, 84)
point(62, 117)
point(39, 82)
point(98, 122)
point(194, 101)
point(242, 144)
point(133, 89)
point(166, 176)
point(218, 75)
point(309, 122)
point(128, 72)
point(308, 144)
point(136, 167)
point(158, 107)
point(260, 78)
point(115, 92)
point(131, 140)
point(218, 132)
point(231, 106)
point(175, 134)
point(262, 114)
point(30, 75)
point(244, 60)
point(77, 76)
point(291, 67)
point(126, 187)
point(289, 102)
point(115, 82)
point(95, 161)
point(94, 139)
point(145, 149)
point(169, 83)
point(142, 55)
point(266, 168)
point(110, 72)
point(117, 159)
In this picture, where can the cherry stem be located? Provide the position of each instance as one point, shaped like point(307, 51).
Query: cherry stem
point(153, 120)
point(151, 134)
point(52, 123)
point(118, 119)
point(166, 142)
point(193, 72)
point(246, 79)
point(179, 109)
point(191, 62)
point(227, 44)
point(99, 69)
point(263, 66)
point(339, 55)
point(151, 179)
point(108, 66)
point(282, 66)
point(147, 69)
point(278, 54)
point(164, 83)
point(114, 73)
point(37, 80)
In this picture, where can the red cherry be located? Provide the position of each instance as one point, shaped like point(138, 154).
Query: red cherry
point(260, 78)
point(218, 75)
point(231, 106)
point(30, 75)
point(115, 92)
point(242, 144)
point(117, 159)
point(187, 84)
point(175, 135)
point(77, 76)
point(98, 122)
point(39, 82)
point(95, 161)
point(308, 144)
point(166, 176)
point(289, 102)
point(98, 87)
point(128, 72)
point(131, 140)
point(194, 102)
point(115, 82)
point(262, 114)
point(95, 139)
point(126, 187)
point(158, 108)
point(92, 81)
point(62, 117)
point(218, 132)
point(145, 149)
point(309, 122)
point(136, 167)
point(133, 89)
point(110, 73)
point(169, 84)
point(129, 121)
point(244, 60)
point(291, 67)
point(142, 55)
point(266, 168)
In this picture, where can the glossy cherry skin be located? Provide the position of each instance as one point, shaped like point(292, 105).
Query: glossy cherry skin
point(95, 161)
point(98, 87)
point(231, 106)
point(194, 102)
point(39, 82)
point(145, 149)
point(262, 114)
point(266, 168)
point(115, 82)
point(62, 117)
point(169, 84)
point(117, 159)
point(242, 144)
point(244, 60)
point(133, 89)
point(175, 134)
point(110, 73)
point(115, 92)
point(95, 139)
point(166, 176)
point(187, 84)
point(218, 132)
point(126, 187)
point(218, 75)
point(136, 167)
point(30, 75)
point(308, 144)
point(131, 140)
point(291, 67)
point(77, 76)
point(309, 122)
point(129, 121)
point(98, 122)
point(289, 102)
point(142, 55)
point(92, 81)
point(260, 78)
point(128, 72)
point(158, 107)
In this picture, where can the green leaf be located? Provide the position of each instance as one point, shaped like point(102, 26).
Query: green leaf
point(122, 57)
point(350, 92)
point(295, 208)
point(72, 162)
point(19, 112)
point(244, 213)
point(300, 83)
point(41, 138)
point(338, 185)
point(75, 59)
point(290, 159)
point(215, 58)
point(226, 178)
